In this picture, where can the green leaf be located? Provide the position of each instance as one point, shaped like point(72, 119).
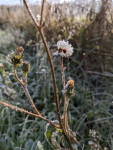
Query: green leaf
point(52, 136)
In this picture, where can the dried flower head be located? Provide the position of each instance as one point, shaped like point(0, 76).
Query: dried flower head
point(16, 59)
point(94, 143)
point(94, 134)
point(25, 67)
point(70, 83)
point(64, 49)
point(20, 50)
point(69, 88)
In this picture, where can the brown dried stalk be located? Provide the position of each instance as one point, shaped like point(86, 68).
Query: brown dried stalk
point(64, 96)
point(27, 93)
point(27, 112)
point(42, 11)
point(63, 75)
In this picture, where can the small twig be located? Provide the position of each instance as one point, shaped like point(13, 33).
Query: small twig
point(30, 100)
point(100, 74)
point(63, 75)
point(26, 92)
point(42, 12)
point(31, 14)
point(27, 112)
point(16, 76)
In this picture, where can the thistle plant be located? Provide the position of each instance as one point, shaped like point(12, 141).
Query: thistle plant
point(58, 133)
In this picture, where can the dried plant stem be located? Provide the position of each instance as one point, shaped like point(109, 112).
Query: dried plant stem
point(30, 100)
point(63, 75)
point(64, 96)
point(65, 113)
point(27, 112)
point(42, 11)
point(26, 92)
point(16, 76)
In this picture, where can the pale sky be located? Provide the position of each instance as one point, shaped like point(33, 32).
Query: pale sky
point(14, 2)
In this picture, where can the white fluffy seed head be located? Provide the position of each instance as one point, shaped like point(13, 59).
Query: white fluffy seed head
point(64, 49)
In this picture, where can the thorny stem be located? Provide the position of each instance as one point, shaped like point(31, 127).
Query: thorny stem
point(40, 28)
point(26, 112)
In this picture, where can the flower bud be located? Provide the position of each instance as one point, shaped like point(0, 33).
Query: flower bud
point(20, 50)
point(16, 59)
point(25, 67)
point(69, 88)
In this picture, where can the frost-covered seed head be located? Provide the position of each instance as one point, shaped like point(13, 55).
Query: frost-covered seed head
point(64, 49)
point(25, 67)
point(69, 88)
point(70, 83)
point(16, 59)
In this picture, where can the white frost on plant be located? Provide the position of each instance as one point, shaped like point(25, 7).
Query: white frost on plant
point(92, 133)
point(64, 49)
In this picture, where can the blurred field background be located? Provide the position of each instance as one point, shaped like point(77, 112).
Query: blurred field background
point(88, 26)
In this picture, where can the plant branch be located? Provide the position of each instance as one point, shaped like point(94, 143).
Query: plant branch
point(63, 75)
point(65, 114)
point(31, 14)
point(64, 96)
point(26, 92)
point(27, 112)
point(42, 12)
point(16, 76)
